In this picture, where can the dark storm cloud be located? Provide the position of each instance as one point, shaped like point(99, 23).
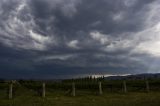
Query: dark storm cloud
point(67, 38)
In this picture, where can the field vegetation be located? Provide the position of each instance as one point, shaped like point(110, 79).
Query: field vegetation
point(59, 93)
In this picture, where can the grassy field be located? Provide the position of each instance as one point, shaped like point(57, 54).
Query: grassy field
point(27, 95)
point(85, 99)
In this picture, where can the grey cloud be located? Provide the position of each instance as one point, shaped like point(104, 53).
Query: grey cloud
point(49, 38)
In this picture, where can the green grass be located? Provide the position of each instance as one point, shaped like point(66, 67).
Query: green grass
point(25, 94)
point(82, 98)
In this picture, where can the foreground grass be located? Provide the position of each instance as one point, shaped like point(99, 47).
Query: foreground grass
point(83, 98)
point(27, 94)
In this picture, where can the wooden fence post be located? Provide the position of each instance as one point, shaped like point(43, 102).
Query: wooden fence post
point(124, 87)
point(100, 88)
point(43, 90)
point(73, 89)
point(10, 90)
point(147, 86)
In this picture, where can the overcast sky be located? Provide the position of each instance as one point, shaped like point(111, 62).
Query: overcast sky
point(72, 38)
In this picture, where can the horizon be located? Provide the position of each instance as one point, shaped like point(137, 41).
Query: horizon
point(79, 77)
point(53, 39)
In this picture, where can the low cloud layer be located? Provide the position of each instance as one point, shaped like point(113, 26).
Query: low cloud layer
point(70, 38)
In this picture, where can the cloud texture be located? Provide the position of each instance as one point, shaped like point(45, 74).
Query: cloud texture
point(68, 38)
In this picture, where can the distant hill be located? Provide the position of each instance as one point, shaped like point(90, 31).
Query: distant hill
point(133, 77)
